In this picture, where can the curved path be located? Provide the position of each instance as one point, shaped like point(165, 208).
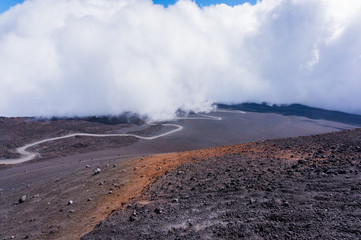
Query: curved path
point(27, 156)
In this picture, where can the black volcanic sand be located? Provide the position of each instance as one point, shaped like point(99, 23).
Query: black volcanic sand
point(65, 172)
point(235, 128)
point(72, 154)
point(16, 132)
point(298, 188)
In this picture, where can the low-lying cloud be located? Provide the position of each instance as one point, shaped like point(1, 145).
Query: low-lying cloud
point(81, 57)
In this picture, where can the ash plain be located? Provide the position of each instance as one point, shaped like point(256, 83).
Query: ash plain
point(65, 169)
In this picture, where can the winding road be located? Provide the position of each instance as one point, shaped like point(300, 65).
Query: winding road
point(27, 155)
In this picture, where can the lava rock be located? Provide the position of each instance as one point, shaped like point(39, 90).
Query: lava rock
point(23, 199)
point(97, 171)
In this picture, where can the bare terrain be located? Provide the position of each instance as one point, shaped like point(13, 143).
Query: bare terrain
point(299, 188)
point(15, 132)
point(184, 184)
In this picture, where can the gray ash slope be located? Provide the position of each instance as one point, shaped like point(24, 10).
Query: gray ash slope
point(297, 110)
point(292, 188)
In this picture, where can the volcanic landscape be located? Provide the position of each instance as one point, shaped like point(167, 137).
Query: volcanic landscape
point(250, 171)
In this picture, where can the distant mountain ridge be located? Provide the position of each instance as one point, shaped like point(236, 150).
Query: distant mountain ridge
point(296, 110)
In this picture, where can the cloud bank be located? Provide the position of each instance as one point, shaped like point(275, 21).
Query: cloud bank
point(97, 57)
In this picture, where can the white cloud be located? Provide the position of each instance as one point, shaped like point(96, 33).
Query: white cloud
point(81, 57)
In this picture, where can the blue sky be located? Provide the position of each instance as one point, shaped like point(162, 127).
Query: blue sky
point(208, 2)
point(6, 4)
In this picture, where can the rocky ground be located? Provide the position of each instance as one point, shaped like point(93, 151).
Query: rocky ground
point(297, 188)
point(303, 187)
point(16, 132)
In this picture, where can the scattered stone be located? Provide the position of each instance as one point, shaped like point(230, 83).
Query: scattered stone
point(158, 211)
point(301, 161)
point(70, 202)
point(87, 166)
point(115, 165)
point(23, 199)
point(96, 171)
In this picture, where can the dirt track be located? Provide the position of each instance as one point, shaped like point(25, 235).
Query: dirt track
point(52, 181)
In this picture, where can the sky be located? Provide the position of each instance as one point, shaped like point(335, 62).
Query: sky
point(6, 4)
point(81, 57)
point(207, 2)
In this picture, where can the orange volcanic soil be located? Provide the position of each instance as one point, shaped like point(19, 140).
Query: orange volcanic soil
point(257, 188)
point(286, 188)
